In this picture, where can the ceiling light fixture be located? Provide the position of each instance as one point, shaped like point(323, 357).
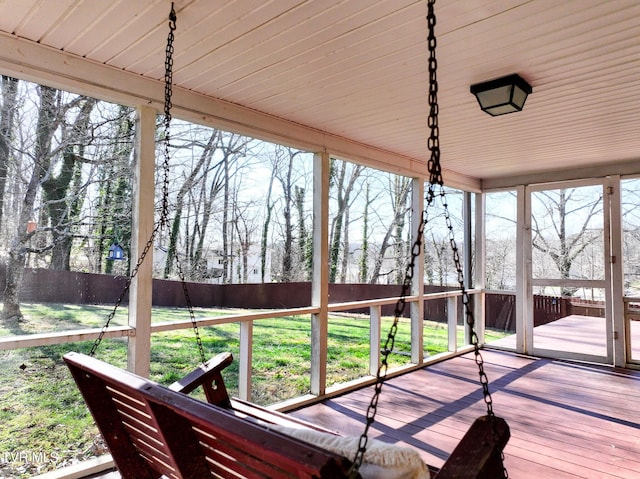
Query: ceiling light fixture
point(502, 95)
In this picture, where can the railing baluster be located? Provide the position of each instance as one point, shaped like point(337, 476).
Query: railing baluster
point(246, 360)
point(452, 321)
point(375, 327)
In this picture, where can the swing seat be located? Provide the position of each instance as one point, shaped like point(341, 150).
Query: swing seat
point(152, 430)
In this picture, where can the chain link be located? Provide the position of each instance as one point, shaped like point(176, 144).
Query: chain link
point(435, 178)
point(164, 214)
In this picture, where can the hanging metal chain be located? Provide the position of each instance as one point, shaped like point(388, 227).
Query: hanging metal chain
point(125, 290)
point(192, 315)
point(435, 179)
point(435, 172)
point(433, 142)
point(168, 105)
point(468, 312)
point(387, 349)
point(164, 217)
point(164, 214)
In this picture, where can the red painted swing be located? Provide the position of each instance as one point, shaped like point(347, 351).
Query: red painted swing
point(155, 431)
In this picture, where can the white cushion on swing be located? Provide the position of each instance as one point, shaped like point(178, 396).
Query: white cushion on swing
point(381, 460)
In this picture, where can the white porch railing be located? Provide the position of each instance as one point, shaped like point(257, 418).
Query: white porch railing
point(246, 321)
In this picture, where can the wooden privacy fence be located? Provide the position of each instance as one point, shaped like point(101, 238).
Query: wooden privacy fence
point(500, 309)
point(49, 286)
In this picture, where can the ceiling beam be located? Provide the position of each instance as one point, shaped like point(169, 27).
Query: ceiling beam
point(627, 168)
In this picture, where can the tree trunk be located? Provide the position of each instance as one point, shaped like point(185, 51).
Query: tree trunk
point(364, 255)
point(287, 263)
point(345, 249)
point(303, 237)
point(344, 193)
point(334, 252)
point(265, 229)
point(55, 192)
point(17, 252)
point(7, 114)
point(61, 201)
point(245, 243)
point(188, 185)
point(226, 248)
point(114, 220)
point(11, 312)
point(400, 256)
point(286, 180)
point(399, 201)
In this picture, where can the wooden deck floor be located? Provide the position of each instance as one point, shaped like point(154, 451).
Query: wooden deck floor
point(568, 420)
point(575, 334)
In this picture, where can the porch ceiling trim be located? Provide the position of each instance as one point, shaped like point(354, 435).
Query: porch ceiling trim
point(628, 168)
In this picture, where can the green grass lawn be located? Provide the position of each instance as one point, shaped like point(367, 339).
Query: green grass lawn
point(45, 424)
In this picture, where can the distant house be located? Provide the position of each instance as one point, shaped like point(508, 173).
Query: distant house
point(215, 264)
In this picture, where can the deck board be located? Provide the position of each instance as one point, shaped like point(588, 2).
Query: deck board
point(567, 420)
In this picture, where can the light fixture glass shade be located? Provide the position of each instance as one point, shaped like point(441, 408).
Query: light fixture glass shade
point(502, 95)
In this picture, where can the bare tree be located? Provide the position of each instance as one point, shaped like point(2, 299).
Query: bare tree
point(114, 202)
point(305, 239)
point(399, 195)
point(264, 240)
point(500, 263)
point(18, 248)
point(245, 224)
point(364, 255)
point(62, 184)
point(554, 239)
point(343, 181)
point(283, 162)
point(562, 228)
point(192, 177)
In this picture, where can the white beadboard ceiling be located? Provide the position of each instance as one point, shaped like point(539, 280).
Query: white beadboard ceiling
point(357, 70)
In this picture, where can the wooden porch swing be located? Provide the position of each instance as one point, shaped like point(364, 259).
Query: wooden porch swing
point(154, 431)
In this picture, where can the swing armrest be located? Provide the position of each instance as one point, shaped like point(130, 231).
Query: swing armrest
point(479, 454)
point(209, 376)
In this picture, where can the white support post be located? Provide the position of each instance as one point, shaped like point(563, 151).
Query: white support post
point(452, 323)
point(417, 286)
point(466, 255)
point(375, 326)
point(245, 360)
point(320, 279)
point(615, 293)
point(524, 288)
point(480, 267)
point(142, 224)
